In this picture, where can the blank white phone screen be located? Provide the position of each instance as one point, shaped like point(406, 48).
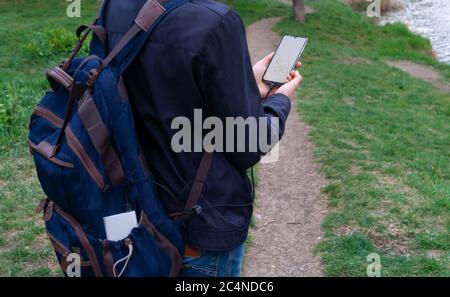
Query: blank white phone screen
point(285, 58)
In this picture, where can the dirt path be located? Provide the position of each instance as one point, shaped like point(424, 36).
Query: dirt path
point(422, 72)
point(289, 207)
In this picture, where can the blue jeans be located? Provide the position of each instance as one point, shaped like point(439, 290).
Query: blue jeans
point(214, 264)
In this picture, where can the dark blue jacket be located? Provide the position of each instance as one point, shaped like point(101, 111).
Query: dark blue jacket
point(196, 59)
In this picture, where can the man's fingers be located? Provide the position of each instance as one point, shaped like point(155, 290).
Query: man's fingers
point(296, 77)
point(289, 88)
point(298, 65)
point(266, 60)
point(291, 77)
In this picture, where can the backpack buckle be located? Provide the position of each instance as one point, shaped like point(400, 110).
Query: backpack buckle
point(41, 205)
point(92, 77)
point(64, 64)
point(197, 209)
point(188, 213)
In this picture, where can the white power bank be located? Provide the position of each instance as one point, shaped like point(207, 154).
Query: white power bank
point(119, 226)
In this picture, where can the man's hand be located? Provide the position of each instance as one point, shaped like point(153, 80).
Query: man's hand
point(260, 68)
point(289, 89)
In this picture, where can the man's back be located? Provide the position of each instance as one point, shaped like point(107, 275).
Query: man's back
point(197, 58)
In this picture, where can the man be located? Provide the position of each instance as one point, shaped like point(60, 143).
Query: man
point(197, 58)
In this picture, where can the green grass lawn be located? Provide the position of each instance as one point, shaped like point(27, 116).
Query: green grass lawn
point(37, 35)
point(383, 140)
point(381, 137)
point(28, 30)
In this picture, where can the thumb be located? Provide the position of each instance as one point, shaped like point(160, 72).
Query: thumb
point(266, 60)
point(296, 78)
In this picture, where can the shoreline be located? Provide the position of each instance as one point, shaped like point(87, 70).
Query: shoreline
point(435, 53)
point(419, 24)
point(415, 17)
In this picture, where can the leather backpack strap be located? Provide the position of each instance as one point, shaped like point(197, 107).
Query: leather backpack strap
point(101, 139)
point(88, 112)
point(198, 185)
point(146, 17)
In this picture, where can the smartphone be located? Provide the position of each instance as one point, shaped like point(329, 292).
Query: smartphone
point(286, 57)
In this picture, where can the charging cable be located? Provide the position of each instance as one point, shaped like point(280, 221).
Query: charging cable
point(126, 259)
point(271, 86)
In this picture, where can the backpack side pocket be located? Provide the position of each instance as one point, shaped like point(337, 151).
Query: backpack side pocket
point(67, 237)
point(144, 252)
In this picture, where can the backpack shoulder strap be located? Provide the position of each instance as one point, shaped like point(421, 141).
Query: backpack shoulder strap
point(192, 208)
point(146, 20)
point(199, 183)
point(149, 16)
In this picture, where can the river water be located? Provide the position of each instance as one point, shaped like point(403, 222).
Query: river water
point(429, 18)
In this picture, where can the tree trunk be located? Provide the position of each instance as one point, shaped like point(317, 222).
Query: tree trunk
point(299, 10)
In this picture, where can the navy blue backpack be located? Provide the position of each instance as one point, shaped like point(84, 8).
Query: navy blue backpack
point(90, 165)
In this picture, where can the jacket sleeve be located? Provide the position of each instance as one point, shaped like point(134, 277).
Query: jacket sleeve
point(232, 92)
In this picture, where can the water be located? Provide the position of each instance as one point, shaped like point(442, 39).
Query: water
point(429, 18)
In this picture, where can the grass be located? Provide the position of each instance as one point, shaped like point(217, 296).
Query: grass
point(37, 35)
point(254, 10)
point(382, 138)
point(28, 28)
